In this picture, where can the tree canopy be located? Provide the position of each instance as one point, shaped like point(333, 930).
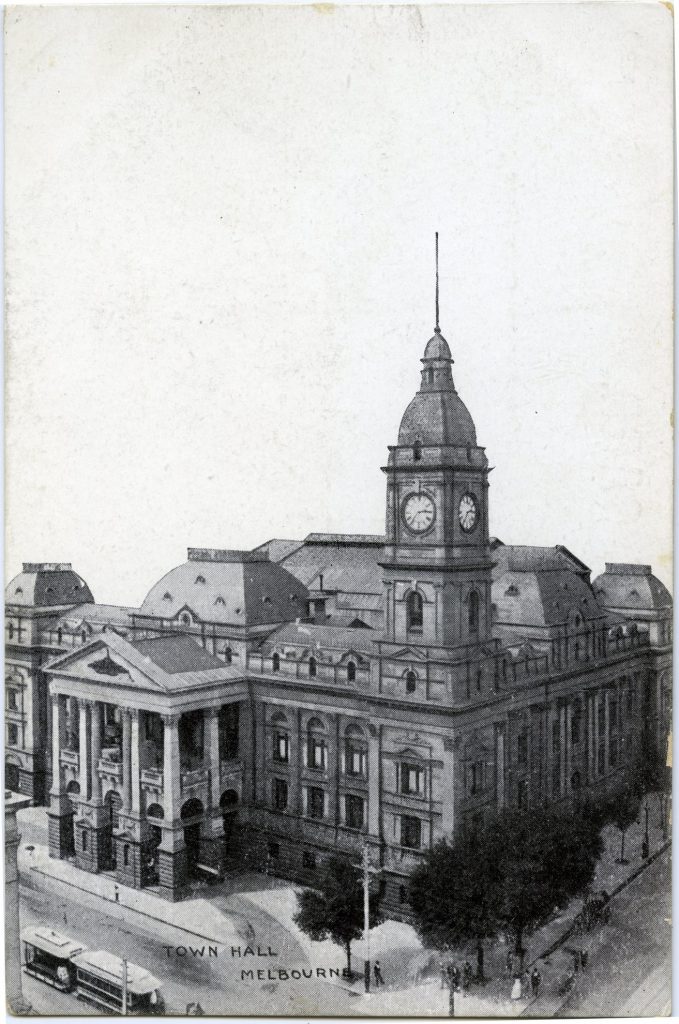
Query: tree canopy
point(507, 875)
point(335, 908)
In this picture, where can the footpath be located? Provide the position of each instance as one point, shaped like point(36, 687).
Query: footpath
point(412, 975)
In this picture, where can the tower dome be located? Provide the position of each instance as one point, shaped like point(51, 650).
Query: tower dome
point(437, 415)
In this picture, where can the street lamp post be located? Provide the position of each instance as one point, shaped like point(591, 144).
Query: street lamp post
point(124, 987)
point(367, 872)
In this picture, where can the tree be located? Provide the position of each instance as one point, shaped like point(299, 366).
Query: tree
point(450, 894)
point(510, 874)
point(624, 811)
point(545, 859)
point(335, 909)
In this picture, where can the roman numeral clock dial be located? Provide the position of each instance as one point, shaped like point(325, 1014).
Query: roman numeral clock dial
point(467, 512)
point(419, 513)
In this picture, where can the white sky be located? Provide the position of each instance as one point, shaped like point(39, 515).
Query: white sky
point(220, 272)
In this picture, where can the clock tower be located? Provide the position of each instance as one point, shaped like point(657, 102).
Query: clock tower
point(437, 566)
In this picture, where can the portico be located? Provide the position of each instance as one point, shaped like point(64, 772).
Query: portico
point(148, 783)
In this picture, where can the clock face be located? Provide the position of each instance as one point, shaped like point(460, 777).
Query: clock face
point(419, 512)
point(467, 513)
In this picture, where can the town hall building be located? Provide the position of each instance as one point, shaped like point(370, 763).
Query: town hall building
point(264, 709)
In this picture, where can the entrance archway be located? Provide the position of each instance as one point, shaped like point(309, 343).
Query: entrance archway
point(190, 811)
point(228, 804)
point(112, 802)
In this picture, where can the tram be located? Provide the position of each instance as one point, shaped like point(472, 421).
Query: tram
point(48, 955)
point(100, 980)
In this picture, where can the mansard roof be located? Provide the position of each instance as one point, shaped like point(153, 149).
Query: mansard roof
point(347, 563)
point(632, 587)
point(47, 584)
point(241, 588)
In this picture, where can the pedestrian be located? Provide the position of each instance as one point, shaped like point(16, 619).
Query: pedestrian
point(377, 971)
point(455, 978)
point(516, 987)
point(583, 959)
point(190, 1010)
point(65, 918)
point(199, 1011)
point(535, 980)
point(116, 893)
point(576, 961)
point(467, 974)
point(444, 976)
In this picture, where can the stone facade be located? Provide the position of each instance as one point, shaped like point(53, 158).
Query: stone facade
point(264, 709)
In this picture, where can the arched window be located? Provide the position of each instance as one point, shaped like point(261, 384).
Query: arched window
point(415, 611)
point(411, 682)
point(351, 671)
point(417, 451)
point(312, 668)
point(228, 655)
point(473, 612)
point(10, 630)
point(59, 635)
point(83, 636)
point(355, 751)
point(430, 375)
point(275, 663)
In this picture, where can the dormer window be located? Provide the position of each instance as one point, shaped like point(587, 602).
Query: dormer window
point(19, 590)
point(313, 666)
point(351, 672)
point(167, 596)
point(185, 619)
point(634, 593)
point(512, 591)
point(411, 682)
point(200, 579)
point(228, 655)
point(266, 600)
point(83, 636)
point(417, 450)
point(276, 663)
point(220, 600)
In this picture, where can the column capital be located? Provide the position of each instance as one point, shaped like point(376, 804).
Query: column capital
point(171, 719)
point(211, 712)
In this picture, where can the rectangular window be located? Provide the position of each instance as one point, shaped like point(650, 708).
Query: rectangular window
point(273, 851)
point(575, 727)
point(281, 747)
point(630, 699)
point(475, 778)
point(601, 716)
point(229, 715)
point(309, 860)
point(12, 700)
point(522, 748)
point(412, 779)
point(601, 759)
point(354, 811)
point(355, 760)
point(411, 832)
point(13, 735)
point(280, 794)
point(316, 754)
point(612, 715)
point(522, 795)
point(556, 757)
point(316, 804)
point(613, 751)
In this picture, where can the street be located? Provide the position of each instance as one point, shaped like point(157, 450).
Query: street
point(630, 968)
point(214, 981)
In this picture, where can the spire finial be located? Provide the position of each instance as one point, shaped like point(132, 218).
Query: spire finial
point(437, 329)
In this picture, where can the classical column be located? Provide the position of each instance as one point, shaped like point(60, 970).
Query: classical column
point(171, 768)
point(58, 740)
point(607, 731)
point(333, 769)
point(568, 749)
point(14, 996)
point(84, 751)
point(591, 761)
point(448, 788)
point(374, 780)
point(95, 749)
point(212, 753)
point(135, 763)
point(562, 744)
point(596, 703)
point(295, 757)
point(500, 766)
point(125, 714)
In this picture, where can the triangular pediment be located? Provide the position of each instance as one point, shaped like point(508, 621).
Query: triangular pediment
point(109, 660)
point(409, 654)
